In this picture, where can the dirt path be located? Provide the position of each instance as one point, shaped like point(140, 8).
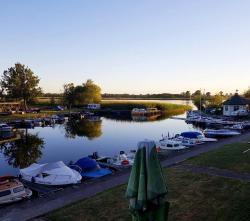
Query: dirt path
point(36, 207)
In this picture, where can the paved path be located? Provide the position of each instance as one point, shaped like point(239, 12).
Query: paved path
point(30, 209)
point(214, 172)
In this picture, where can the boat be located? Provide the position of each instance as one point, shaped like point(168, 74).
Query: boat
point(52, 174)
point(5, 128)
point(171, 144)
point(121, 160)
point(238, 126)
point(220, 133)
point(89, 168)
point(198, 137)
point(12, 190)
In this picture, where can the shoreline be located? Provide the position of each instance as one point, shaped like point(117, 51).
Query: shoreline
point(39, 206)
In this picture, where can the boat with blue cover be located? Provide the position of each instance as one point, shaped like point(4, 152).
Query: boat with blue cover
point(89, 168)
point(199, 137)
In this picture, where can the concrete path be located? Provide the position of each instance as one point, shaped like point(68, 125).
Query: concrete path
point(214, 172)
point(36, 207)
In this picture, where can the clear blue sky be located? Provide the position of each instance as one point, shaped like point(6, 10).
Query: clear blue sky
point(131, 46)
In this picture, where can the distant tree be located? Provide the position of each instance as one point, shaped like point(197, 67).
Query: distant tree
point(215, 101)
point(188, 94)
point(91, 92)
point(199, 101)
point(68, 95)
point(196, 93)
point(52, 100)
point(20, 82)
point(221, 93)
point(208, 94)
point(247, 93)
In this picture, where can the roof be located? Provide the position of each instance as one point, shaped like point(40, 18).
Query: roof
point(237, 100)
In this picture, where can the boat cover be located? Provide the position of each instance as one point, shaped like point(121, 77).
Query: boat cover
point(91, 169)
point(57, 173)
point(191, 134)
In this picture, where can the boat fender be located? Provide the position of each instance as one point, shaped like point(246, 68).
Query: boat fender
point(125, 162)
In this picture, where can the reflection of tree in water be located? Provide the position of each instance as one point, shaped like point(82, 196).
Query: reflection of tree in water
point(23, 152)
point(83, 128)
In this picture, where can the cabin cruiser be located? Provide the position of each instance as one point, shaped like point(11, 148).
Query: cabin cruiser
point(171, 144)
point(198, 137)
point(89, 168)
point(12, 190)
point(220, 133)
point(5, 128)
point(53, 174)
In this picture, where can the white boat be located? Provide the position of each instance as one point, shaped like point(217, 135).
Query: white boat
point(12, 190)
point(220, 133)
point(123, 159)
point(171, 144)
point(54, 174)
point(5, 128)
point(235, 127)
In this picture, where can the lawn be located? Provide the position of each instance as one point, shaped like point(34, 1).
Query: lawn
point(192, 197)
point(231, 157)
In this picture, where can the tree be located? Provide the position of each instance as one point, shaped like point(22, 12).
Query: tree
point(247, 93)
point(91, 93)
point(199, 101)
point(215, 101)
point(187, 94)
point(82, 94)
point(23, 152)
point(20, 82)
point(68, 95)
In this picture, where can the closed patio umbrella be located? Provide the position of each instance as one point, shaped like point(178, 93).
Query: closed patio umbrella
point(146, 188)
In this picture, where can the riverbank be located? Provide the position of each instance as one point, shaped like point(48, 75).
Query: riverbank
point(124, 107)
point(39, 206)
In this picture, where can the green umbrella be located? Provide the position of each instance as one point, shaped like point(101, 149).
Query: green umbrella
point(146, 188)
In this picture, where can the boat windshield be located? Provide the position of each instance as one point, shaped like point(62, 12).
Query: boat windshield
point(18, 189)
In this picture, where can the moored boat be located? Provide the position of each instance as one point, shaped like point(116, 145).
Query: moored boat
point(12, 190)
point(54, 174)
point(5, 128)
point(220, 133)
point(89, 168)
point(171, 144)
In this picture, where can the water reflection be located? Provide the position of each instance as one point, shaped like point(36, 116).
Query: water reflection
point(90, 128)
point(24, 151)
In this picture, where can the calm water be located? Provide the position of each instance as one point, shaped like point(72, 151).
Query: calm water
point(71, 141)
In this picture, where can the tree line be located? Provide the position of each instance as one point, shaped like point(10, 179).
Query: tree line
point(21, 83)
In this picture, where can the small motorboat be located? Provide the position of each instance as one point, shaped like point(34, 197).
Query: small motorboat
point(12, 190)
point(171, 144)
point(89, 168)
point(5, 128)
point(220, 133)
point(120, 160)
point(54, 174)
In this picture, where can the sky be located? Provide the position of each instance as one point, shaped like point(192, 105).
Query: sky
point(130, 46)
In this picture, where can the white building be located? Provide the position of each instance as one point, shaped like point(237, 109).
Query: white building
point(236, 106)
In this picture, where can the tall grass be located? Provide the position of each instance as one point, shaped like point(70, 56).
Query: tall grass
point(129, 105)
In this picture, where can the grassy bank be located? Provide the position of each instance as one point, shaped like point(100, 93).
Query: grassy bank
point(192, 196)
point(232, 157)
point(208, 198)
point(129, 105)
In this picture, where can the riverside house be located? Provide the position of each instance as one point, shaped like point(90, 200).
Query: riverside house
point(236, 106)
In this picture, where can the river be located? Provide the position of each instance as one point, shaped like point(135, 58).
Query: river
point(68, 142)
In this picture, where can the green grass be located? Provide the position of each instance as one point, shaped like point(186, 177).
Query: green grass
point(192, 197)
point(229, 157)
